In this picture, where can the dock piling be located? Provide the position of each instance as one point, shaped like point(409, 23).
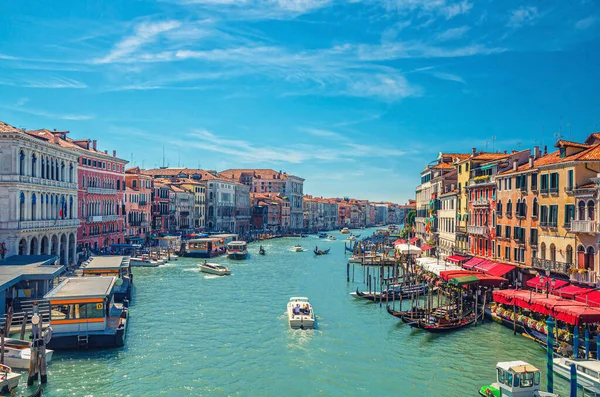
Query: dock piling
point(550, 355)
point(587, 344)
point(574, 381)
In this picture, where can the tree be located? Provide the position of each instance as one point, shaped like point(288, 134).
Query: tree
point(410, 218)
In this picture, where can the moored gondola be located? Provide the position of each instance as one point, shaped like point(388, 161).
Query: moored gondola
point(395, 292)
point(444, 325)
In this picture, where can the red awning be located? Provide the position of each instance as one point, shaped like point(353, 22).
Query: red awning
point(571, 291)
point(500, 269)
point(472, 262)
point(426, 247)
point(414, 240)
point(450, 274)
point(592, 299)
point(456, 258)
point(486, 280)
point(399, 241)
point(484, 266)
point(577, 315)
point(536, 283)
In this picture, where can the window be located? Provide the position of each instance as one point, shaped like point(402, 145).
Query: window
point(533, 236)
point(554, 182)
point(498, 231)
point(553, 215)
point(499, 207)
point(570, 180)
point(509, 208)
point(544, 215)
point(569, 214)
point(535, 209)
point(507, 253)
point(507, 231)
point(534, 181)
point(544, 183)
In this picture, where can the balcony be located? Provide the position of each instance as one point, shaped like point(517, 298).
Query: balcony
point(38, 181)
point(554, 266)
point(101, 190)
point(544, 190)
point(49, 224)
point(481, 203)
point(589, 227)
point(584, 276)
point(461, 229)
point(478, 230)
point(553, 190)
point(102, 218)
point(420, 219)
point(142, 202)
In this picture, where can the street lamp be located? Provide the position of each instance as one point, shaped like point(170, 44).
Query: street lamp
point(548, 280)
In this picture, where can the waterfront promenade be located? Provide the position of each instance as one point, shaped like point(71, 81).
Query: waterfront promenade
point(193, 335)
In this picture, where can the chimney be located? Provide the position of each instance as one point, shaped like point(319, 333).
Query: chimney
point(114, 153)
point(531, 158)
point(545, 150)
point(474, 151)
point(105, 151)
point(94, 143)
point(505, 152)
point(515, 164)
point(536, 152)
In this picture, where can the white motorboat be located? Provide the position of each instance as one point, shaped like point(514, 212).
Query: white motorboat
point(8, 379)
point(355, 259)
point(237, 250)
point(300, 313)
point(588, 371)
point(351, 238)
point(213, 268)
point(345, 231)
point(331, 237)
point(516, 379)
point(17, 353)
point(144, 261)
point(297, 248)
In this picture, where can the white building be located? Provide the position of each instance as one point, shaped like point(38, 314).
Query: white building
point(38, 196)
point(447, 223)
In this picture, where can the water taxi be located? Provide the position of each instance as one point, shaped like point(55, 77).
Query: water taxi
point(84, 314)
point(588, 371)
point(8, 379)
point(345, 231)
point(202, 247)
point(213, 268)
point(297, 248)
point(17, 353)
point(143, 261)
point(237, 250)
point(517, 379)
point(300, 313)
point(118, 266)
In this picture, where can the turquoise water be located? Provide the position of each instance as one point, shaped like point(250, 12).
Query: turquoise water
point(191, 334)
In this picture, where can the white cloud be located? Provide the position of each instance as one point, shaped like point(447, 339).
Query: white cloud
point(49, 82)
point(522, 16)
point(50, 115)
point(144, 33)
point(260, 9)
point(449, 77)
point(586, 23)
point(323, 133)
point(452, 34)
point(445, 8)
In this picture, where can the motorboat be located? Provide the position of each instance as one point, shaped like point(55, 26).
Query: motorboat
point(517, 379)
point(322, 235)
point(213, 268)
point(345, 231)
point(237, 250)
point(143, 261)
point(331, 237)
point(351, 238)
point(8, 379)
point(588, 371)
point(297, 248)
point(17, 353)
point(300, 313)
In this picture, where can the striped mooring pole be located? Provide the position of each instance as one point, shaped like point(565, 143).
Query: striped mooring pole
point(550, 355)
point(573, 381)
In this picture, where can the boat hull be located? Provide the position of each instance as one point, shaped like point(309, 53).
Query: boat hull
point(216, 272)
point(19, 359)
point(95, 341)
point(565, 372)
point(10, 382)
point(237, 255)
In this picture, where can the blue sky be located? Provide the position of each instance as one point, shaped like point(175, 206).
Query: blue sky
point(355, 96)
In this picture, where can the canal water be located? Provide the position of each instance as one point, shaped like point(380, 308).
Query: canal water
point(192, 334)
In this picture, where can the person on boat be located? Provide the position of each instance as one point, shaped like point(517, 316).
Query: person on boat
point(305, 309)
point(297, 309)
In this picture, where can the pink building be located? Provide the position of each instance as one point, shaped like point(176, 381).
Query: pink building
point(138, 205)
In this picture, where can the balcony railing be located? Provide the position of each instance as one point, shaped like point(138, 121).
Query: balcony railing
point(101, 190)
point(478, 230)
point(142, 202)
point(102, 218)
point(481, 203)
point(587, 277)
point(49, 224)
point(461, 229)
point(590, 227)
point(544, 190)
point(554, 266)
point(38, 181)
point(553, 190)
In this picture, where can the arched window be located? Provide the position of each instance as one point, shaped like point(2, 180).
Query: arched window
point(590, 258)
point(543, 251)
point(581, 257)
point(581, 212)
point(71, 173)
point(33, 164)
point(48, 168)
point(83, 181)
point(590, 210)
point(62, 171)
point(52, 169)
point(71, 207)
point(552, 253)
point(569, 257)
point(22, 206)
point(535, 207)
point(21, 163)
point(524, 208)
point(509, 208)
point(33, 207)
point(499, 207)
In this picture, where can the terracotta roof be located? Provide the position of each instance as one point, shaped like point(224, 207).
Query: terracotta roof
point(591, 154)
point(460, 156)
point(8, 128)
point(587, 185)
point(564, 143)
point(163, 171)
point(490, 156)
point(549, 158)
point(443, 166)
point(595, 136)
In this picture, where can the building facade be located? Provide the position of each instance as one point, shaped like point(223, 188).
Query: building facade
point(138, 205)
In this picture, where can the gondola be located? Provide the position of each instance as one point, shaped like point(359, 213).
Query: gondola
point(261, 250)
point(398, 292)
point(451, 325)
point(317, 251)
point(410, 315)
point(349, 249)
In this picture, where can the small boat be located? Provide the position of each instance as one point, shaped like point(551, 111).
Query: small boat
point(237, 250)
point(213, 268)
point(587, 371)
point(322, 235)
point(407, 316)
point(516, 378)
point(300, 313)
point(357, 235)
point(439, 325)
point(351, 238)
point(331, 237)
point(8, 379)
point(355, 259)
point(345, 231)
point(349, 249)
point(297, 248)
point(144, 261)
point(261, 251)
point(17, 353)
point(317, 251)
point(394, 292)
